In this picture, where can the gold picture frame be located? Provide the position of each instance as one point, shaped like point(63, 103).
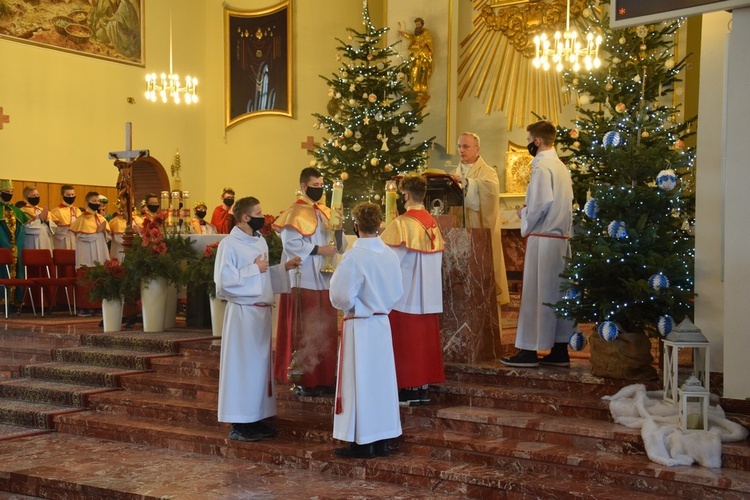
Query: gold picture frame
point(113, 31)
point(258, 63)
point(517, 168)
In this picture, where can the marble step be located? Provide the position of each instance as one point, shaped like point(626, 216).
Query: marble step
point(103, 356)
point(64, 466)
point(25, 351)
point(16, 431)
point(563, 462)
point(169, 384)
point(575, 379)
point(28, 336)
point(10, 368)
point(513, 397)
point(76, 373)
point(437, 475)
point(155, 406)
point(189, 366)
point(169, 341)
point(43, 391)
point(29, 414)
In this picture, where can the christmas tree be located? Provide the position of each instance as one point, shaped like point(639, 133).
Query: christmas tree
point(632, 250)
point(370, 122)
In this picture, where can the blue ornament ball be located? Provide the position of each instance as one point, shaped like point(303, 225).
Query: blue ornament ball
point(667, 180)
point(591, 209)
point(577, 341)
point(612, 139)
point(617, 229)
point(572, 293)
point(658, 281)
point(608, 331)
point(664, 325)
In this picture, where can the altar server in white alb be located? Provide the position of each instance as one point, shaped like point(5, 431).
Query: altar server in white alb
point(415, 320)
point(40, 229)
point(245, 280)
point(546, 220)
point(366, 285)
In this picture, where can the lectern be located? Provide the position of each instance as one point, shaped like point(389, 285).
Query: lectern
point(442, 193)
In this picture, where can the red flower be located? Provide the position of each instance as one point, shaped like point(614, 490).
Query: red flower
point(268, 226)
point(210, 251)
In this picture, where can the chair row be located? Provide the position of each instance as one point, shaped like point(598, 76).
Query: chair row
point(43, 271)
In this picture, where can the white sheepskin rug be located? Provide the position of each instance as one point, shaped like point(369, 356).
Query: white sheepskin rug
point(665, 442)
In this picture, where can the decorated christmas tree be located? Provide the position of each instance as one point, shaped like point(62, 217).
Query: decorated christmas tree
point(633, 250)
point(369, 121)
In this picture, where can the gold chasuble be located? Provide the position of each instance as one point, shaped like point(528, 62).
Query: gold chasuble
point(484, 177)
point(416, 230)
point(301, 217)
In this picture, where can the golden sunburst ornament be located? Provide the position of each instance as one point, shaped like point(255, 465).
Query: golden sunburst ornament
point(496, 58)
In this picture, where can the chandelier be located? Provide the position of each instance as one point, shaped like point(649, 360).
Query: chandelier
point(169, 86)
point(566, 50)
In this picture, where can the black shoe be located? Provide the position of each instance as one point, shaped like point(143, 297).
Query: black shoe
point(424, 395)
point(243, 432)
point(265, 429)
point(408, 397)
point(558, 356)
point(356, 451)
point(308, 392)
point(101, 324)
point(325, 390)
point(524, 359)
point(382, 448)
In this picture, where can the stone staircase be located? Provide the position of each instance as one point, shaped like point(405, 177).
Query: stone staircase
point(490, 432)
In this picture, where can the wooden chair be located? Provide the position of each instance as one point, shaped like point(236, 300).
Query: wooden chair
point(6, 259)
point(39, 263)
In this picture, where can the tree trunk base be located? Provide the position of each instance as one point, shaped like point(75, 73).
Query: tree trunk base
point(628, 357)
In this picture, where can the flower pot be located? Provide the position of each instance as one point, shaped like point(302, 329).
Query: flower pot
point(170, 315)
point(112, 314)
point(628, 357)
point(218, 306)
point(153, 304)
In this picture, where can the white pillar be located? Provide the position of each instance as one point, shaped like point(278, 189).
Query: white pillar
point(737, 211)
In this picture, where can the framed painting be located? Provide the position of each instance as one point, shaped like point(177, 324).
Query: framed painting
point(107, 29)
point(258, 62)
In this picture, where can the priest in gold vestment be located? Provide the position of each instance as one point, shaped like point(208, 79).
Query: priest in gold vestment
point(482, 199)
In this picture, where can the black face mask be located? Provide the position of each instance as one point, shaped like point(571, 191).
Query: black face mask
point(257, 223)
point(533, 149)
point(200, 213)
point(152, 208)
point(229, 201)
point(69, 199)
point(6, 197)
point(314, 193)
point(33, 200)
point(94, 207)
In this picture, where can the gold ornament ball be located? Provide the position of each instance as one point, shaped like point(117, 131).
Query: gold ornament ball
point(669, 64)
point(313, 163)
point(679, 144)
point(576, 144)
point(388, 167)
point(352, 102)
point(348, 133)
point(622, 40)
point(585, 99)
point(644, 134)
point(608, 87)
point(344, 176)
point(620, 107)
point(574, 134)
point(372, 98)
point(643, 46)
point(364, 167)
point(343, 148)
point(377, 197)
point(374, 162)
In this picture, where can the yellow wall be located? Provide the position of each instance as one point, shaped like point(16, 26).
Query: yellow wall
point(68, 111)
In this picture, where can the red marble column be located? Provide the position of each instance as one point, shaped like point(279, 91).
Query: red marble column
point(470, 327)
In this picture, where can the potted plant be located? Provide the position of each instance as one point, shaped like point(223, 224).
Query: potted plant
point(107, 283)
point(150, 267)
point(200, 277)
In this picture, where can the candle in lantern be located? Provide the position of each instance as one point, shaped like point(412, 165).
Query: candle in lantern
point(164, 201)
point(391, 196)
point(336, 203)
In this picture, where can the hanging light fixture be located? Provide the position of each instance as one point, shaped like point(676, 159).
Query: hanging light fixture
point(566, 51)
point(168, 86)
